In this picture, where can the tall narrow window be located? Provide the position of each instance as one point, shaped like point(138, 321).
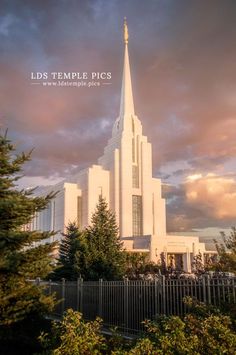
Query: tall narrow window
point(137, 215)
point(79, 211)
point(153, 214)
point(37, 221)
point(47, 218)
point(133, 150)
point(133, 125)
point(100, 191)
point(137, 149)
point(135, 174)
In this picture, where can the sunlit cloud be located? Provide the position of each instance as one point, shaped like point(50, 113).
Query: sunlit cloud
point(214, 195)
point(194, 177)
point(201, 201)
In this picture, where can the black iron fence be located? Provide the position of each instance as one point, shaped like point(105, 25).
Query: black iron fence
point(125, 304)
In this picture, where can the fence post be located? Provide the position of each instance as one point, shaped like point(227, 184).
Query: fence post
point(81, 294)
point(156, 298)
point(208, 289)
point(100, 293)
point(78, 294)
point(126, 303)
point(204, 289)
point(163, 280)
point(63, 281)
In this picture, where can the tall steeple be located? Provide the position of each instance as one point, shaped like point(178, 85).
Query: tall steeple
point(126, 101)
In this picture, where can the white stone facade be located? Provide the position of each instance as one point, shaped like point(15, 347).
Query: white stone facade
point(123, 176)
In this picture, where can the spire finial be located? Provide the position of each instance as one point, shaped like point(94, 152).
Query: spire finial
point(126, 34)
point(126, 102)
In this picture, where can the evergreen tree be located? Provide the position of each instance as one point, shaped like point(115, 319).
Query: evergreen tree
point(198, 266)
point(226, 252)
point(106, 255)
point(73, 254)
point(21, 256)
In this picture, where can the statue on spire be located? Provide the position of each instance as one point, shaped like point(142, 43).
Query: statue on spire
point(126, 101)
point(126, 34)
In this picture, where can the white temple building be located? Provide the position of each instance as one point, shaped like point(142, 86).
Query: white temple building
point(123, 176)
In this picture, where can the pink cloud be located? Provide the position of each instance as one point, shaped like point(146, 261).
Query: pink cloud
point(214, 195)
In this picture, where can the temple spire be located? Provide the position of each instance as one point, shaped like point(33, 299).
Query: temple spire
point(126, 101)
point(126, 33)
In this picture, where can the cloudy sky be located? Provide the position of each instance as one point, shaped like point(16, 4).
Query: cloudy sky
point(182, 55)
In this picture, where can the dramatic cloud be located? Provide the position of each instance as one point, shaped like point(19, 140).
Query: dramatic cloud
point(215, 195)
point(182, 56)
point(201, 201)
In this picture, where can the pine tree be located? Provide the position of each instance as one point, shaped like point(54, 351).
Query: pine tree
point(21, 256)
point(198, 265)
point(226, 252)
point(107, 259)
point(72, 254)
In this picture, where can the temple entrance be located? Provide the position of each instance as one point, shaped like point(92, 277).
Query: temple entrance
point(175, 261)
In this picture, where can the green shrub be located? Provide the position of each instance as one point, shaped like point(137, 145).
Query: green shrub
point(203, 331)
point(74, 336)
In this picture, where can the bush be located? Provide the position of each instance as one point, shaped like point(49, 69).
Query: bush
point(203, 331)
point(74, 336)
